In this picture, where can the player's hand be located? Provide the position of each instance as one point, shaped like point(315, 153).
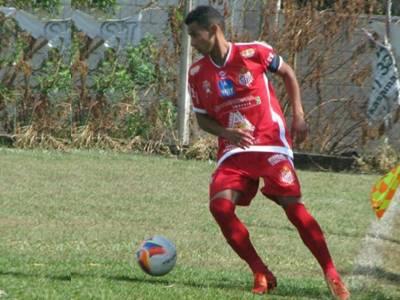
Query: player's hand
point(239, 137)
point(299, 129)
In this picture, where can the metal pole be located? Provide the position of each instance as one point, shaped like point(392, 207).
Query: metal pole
point(184, 99)
point(388, 20)
point(388, 118)
point(277, 13)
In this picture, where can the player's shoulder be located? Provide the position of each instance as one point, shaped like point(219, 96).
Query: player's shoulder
point(196, 66)
point(254, 44)
point(250, 49)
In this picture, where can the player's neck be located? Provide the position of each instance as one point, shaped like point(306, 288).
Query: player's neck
point(220, 51)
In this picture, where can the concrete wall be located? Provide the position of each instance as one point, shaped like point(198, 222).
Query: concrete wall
point(245, 14)
point(153, 16)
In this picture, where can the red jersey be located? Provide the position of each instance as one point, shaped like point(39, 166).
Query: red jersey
point(239, 95)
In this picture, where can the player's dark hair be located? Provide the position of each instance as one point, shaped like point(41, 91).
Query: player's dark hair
point(205, 16)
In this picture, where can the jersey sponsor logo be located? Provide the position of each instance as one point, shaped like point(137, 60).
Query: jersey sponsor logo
point(222, 74)
point(194, 70)
point(286, 176)
point(237, 120)
point(226, 87)
point(248, 53)
point(245, 78)
point(276, 158)
point(237, 104)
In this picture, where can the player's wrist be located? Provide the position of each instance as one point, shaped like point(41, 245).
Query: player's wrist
point(224, 133)
point(298, 115)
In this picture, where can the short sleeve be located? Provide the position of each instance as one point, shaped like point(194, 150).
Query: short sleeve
point(198, 106)
point(270, 60)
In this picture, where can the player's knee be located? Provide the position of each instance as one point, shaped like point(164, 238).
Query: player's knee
point(239, 235)
point(220, 208)
point(285, 202)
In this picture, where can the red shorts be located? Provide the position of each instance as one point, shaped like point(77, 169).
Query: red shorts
point(242, 172)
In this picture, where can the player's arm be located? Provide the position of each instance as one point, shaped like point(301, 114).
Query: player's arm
point(299, 126)
point(235, 136)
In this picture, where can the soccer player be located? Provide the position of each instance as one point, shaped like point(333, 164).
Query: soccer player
point(234, 100)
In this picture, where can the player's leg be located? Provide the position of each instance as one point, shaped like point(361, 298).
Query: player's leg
point(313, 237)
point(222, 207)
point(283, 187)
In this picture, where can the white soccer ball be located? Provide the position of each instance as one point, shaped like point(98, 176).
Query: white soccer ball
point(156, 255)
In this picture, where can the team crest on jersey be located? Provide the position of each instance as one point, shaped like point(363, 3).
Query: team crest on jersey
point(248, 53)
point(286, 176)
point(194, 70)
point(245, 78)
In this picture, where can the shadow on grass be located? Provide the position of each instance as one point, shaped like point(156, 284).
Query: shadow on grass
point(170, 281)
point(377, 273)
point(31, 275)
point(284, 290)
point(293, 229)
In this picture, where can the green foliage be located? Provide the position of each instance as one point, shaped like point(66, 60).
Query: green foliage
point(142, 62)
point(4, 91)
point(167, 113)
point(6, 95)
point(83, 107)
point(105, 5)
point(136, 124)
point(14, 54)
point(55, 78)
point(16, 3)
point(124, 76)
point(46, 5)
point(113, 79)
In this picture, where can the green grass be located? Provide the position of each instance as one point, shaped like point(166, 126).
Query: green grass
point(70, 222)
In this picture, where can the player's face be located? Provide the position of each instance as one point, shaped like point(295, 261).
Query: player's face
point(201, 39)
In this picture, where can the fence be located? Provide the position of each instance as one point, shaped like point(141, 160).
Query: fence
point(85, 75)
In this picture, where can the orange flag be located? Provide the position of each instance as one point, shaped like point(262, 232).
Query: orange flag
point(383, 191)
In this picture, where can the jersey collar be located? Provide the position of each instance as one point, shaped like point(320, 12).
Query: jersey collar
point(226, 59)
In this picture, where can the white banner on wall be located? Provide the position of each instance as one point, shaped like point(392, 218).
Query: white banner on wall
point(385, 94)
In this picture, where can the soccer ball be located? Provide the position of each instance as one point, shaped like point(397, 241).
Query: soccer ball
point(156, 255)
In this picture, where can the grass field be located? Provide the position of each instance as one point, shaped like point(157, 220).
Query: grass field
point(70, 222)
